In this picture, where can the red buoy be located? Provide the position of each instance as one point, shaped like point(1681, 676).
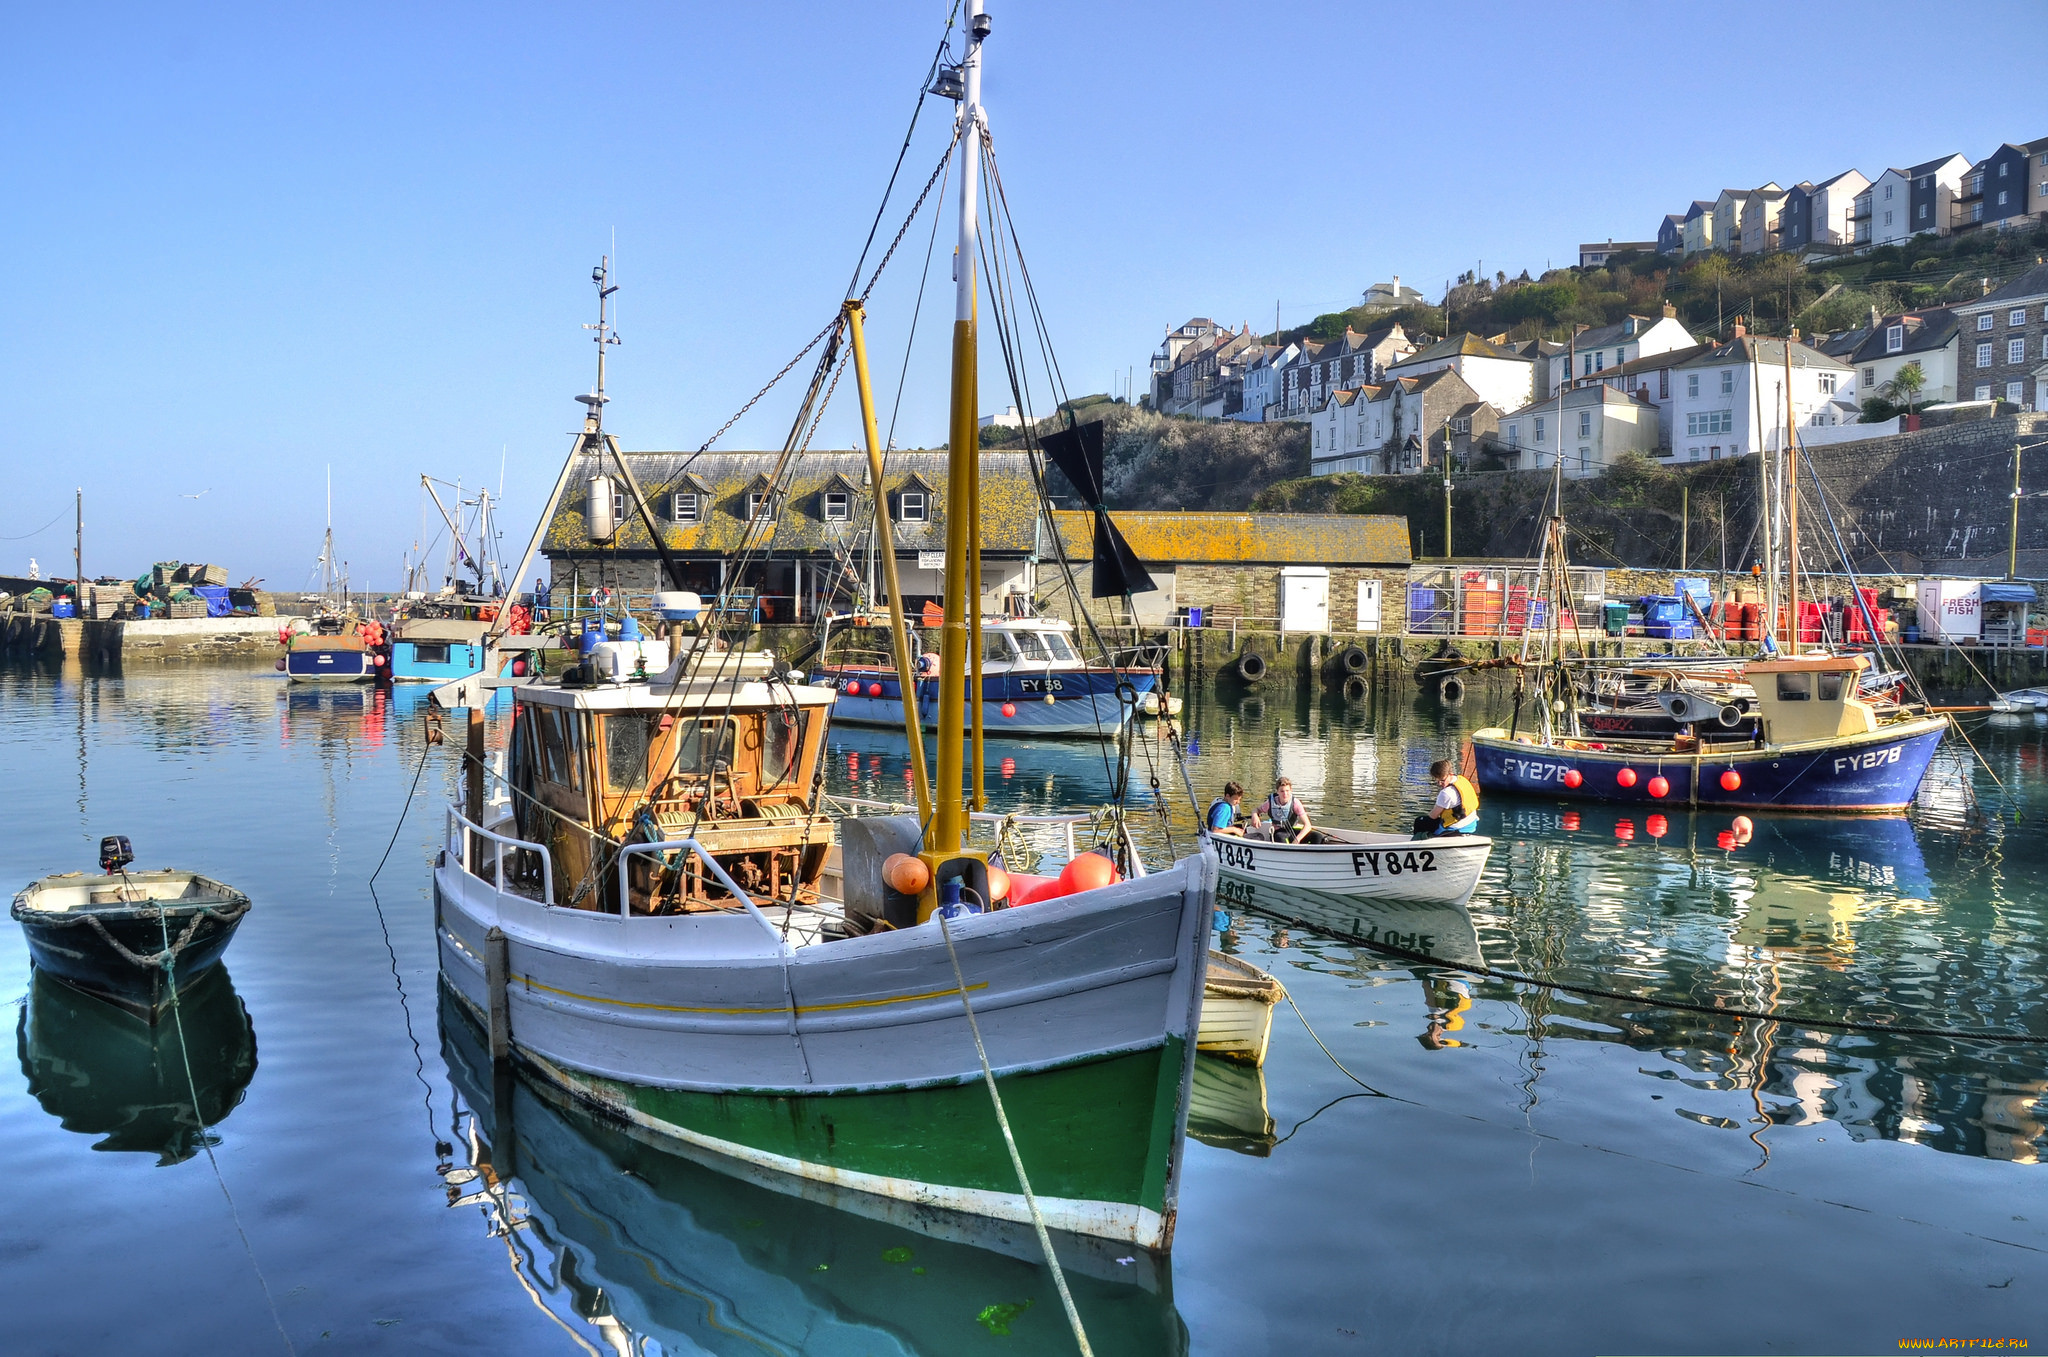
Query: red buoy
point(853, 688)
point(1009, 709)
point(874, 690)
point(1626, 777)
point(1573, 777)
point(1730, 780)
point(1659, 787)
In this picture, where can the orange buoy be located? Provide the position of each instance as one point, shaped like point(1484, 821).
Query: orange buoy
point(1626, 777)
point(905, 874)
point(1088, 872)
point(1659, 786)
point(1573, 777)
point(998, 884)
point(874, 690)
point(1009, 709)
point(1730, 780)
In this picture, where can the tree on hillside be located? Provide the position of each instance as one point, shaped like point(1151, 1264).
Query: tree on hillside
point(1907, 383)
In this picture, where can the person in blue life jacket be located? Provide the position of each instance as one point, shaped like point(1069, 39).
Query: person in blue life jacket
point(1224, 810)
point(1283, 814)
point(1456, 810)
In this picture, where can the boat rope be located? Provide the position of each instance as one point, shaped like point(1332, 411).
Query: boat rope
point(169, 955)
point(988, 1076)
point(425, 749)
point(226, 914)
point(1674, 1005)
point(1289, 995)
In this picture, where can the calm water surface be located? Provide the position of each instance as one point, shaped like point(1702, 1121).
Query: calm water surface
point(1530, 1172)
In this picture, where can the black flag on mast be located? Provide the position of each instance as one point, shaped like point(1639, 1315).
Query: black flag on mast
point(1077, 452)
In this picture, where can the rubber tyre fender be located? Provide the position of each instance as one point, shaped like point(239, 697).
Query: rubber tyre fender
point(1353, 660)
point(1450, 690)
point(1354, 688)
point(1251, 666)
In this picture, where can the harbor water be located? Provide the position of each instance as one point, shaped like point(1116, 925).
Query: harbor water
point(311, 1141)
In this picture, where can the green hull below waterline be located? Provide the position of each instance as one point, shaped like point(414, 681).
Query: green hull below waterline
point(1096, 1137)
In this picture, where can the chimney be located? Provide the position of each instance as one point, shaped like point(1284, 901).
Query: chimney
point(1985, 284)
point(1580, 329)
point(1670, 311)
point(1740, 330)
point(1874, 318)
point(1794, 336)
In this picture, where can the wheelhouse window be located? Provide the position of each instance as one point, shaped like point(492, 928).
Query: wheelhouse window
point(994, 646)
point(702, 745)
point(626, 738)
point(1830, 687)
point(1057, 645)
point(1795, 687)
point(430, 652)
point(782, 746)
point(1030, 647)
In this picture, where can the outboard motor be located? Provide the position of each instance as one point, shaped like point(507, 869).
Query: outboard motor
point(115, 854)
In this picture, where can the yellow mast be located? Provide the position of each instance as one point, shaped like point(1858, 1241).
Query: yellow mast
point(949, 818)
point(885, 546)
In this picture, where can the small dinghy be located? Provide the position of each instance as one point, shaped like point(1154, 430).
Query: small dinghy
point(1355, 863)
point(131, 938)
point(1237, 1010)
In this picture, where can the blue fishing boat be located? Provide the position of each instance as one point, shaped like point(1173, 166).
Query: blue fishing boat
point(1819, 746)
point(1033, 682)
point(332, 648)
point(437, 649)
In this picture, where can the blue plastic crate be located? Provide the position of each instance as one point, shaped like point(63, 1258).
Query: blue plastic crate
point(216, 596)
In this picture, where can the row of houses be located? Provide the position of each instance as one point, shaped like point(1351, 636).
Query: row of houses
point(1850, 213)
point(1649, 386)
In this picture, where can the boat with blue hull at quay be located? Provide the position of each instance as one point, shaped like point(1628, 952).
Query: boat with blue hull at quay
point(1819, 747)
point(1033, 682)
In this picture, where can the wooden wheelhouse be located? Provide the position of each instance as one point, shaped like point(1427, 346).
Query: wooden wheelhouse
point(726, 753)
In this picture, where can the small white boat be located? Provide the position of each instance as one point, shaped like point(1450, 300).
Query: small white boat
point(2020, 701)
point(1237, 1010)
point(1359, 863)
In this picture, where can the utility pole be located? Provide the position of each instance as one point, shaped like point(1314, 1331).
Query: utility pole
point(1447, 490)
point(2012, 546)
point(78, 542)
point(1684, 525)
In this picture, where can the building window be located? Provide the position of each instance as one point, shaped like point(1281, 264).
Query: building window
point(1709, 422)
point(1870, 377)
point(760, 505)
point(838, 506)
point(1514, 435)
point(1695, 454)
point(1585, 459)
point(1984, 322)
point(1728, 381)
point(683, 507)
point(1923, 211)
point(1599, 362)
point(2016, 392)
point(2015, 350)
point(1664, 385)
point(1827, 383)
point(1894, 339)
point(1887, 216)
point(618, 506)
point(1539, 428)
point(1586, 369)
point(2017, 316)
point(910, 507)
point(1983, 355)
point(1692, 384)
point(1887, 190)
point(1976, 211)
point(1585, 425)
point(2001, 194)
point(2044, 346)
point(2002, 169)
point(1983, 392)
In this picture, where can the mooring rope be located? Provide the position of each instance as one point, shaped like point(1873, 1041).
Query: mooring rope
point(1059, 1278)
point(1676, 1005)
point(170, 961)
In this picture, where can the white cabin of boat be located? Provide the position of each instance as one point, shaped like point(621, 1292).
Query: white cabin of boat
point(1810, 697)
point(718, 748)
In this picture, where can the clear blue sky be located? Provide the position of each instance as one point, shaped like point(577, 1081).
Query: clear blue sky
point(244, 243)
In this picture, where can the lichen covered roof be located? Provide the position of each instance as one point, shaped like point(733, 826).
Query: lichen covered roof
point(1008, 502)
point(1170, 539)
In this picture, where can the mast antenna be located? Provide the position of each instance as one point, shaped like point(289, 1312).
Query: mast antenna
point(605, 336)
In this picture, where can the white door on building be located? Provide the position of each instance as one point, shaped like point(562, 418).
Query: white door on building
point(1368, 605)
point(1305, 598)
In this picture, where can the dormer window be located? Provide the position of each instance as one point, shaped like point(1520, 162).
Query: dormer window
point(760, 505)
point(838, 506)
point(685, 507)
point(912, 506)
point(1894, 338)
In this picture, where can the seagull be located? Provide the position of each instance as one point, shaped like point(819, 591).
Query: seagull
point(207, 491)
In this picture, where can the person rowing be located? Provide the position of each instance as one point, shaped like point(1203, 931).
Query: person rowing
point(1284, 812)
point(1225, 809)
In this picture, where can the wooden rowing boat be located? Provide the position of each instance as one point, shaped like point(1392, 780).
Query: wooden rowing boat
point(1237, 1010)
point(1360, 863)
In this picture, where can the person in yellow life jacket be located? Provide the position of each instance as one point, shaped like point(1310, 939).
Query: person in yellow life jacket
point(1457, 803)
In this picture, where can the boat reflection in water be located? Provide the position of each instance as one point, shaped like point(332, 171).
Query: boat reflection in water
point(623, 1242)
point(1441, 929)
point(1227, 1107)
point(102, 1072)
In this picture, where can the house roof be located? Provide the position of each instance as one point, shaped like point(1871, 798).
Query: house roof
point(1458, 346)
point(1160, 539)
point(1613, 334)
point(1926, 331)
point(1009, 501)
point(1753, 349)
point(1700, 207)
point(1829, 183)
point(2032, 283)
point(1929, 167)
point(1844, 344)
point(1596, 394)
point(1653, 362)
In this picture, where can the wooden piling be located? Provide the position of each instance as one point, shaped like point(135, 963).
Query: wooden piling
point(497, 980)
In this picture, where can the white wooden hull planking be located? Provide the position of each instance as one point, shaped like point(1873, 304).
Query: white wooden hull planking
point(1362, 864)
point(1237, 1010)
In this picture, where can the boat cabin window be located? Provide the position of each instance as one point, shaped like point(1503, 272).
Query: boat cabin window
point(625, 751)
point(1030, 646)
point(1831, 687)
point(993, 646)
point(555, 759)
point(327, 626)
point(784, 747)
point(430, 652)
point(1795, 687)
point(1057, 644)
point(702, 744)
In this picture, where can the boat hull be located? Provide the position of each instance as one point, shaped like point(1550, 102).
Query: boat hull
point(407, 666)
point(851, 1063)
point(1237, 1010)
point(1064, 702)
point(79, 956)
point(1879, 771)
point(1361, 865)
point(314, 664)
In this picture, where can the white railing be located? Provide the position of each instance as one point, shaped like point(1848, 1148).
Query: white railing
point(987, 817)
point(718, 873)
point(463, 834)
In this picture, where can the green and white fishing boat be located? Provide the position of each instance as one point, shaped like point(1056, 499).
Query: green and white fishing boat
point(639, 918)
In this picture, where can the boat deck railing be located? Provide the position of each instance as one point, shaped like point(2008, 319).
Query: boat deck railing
point(1063, 821)
point(465, 836)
